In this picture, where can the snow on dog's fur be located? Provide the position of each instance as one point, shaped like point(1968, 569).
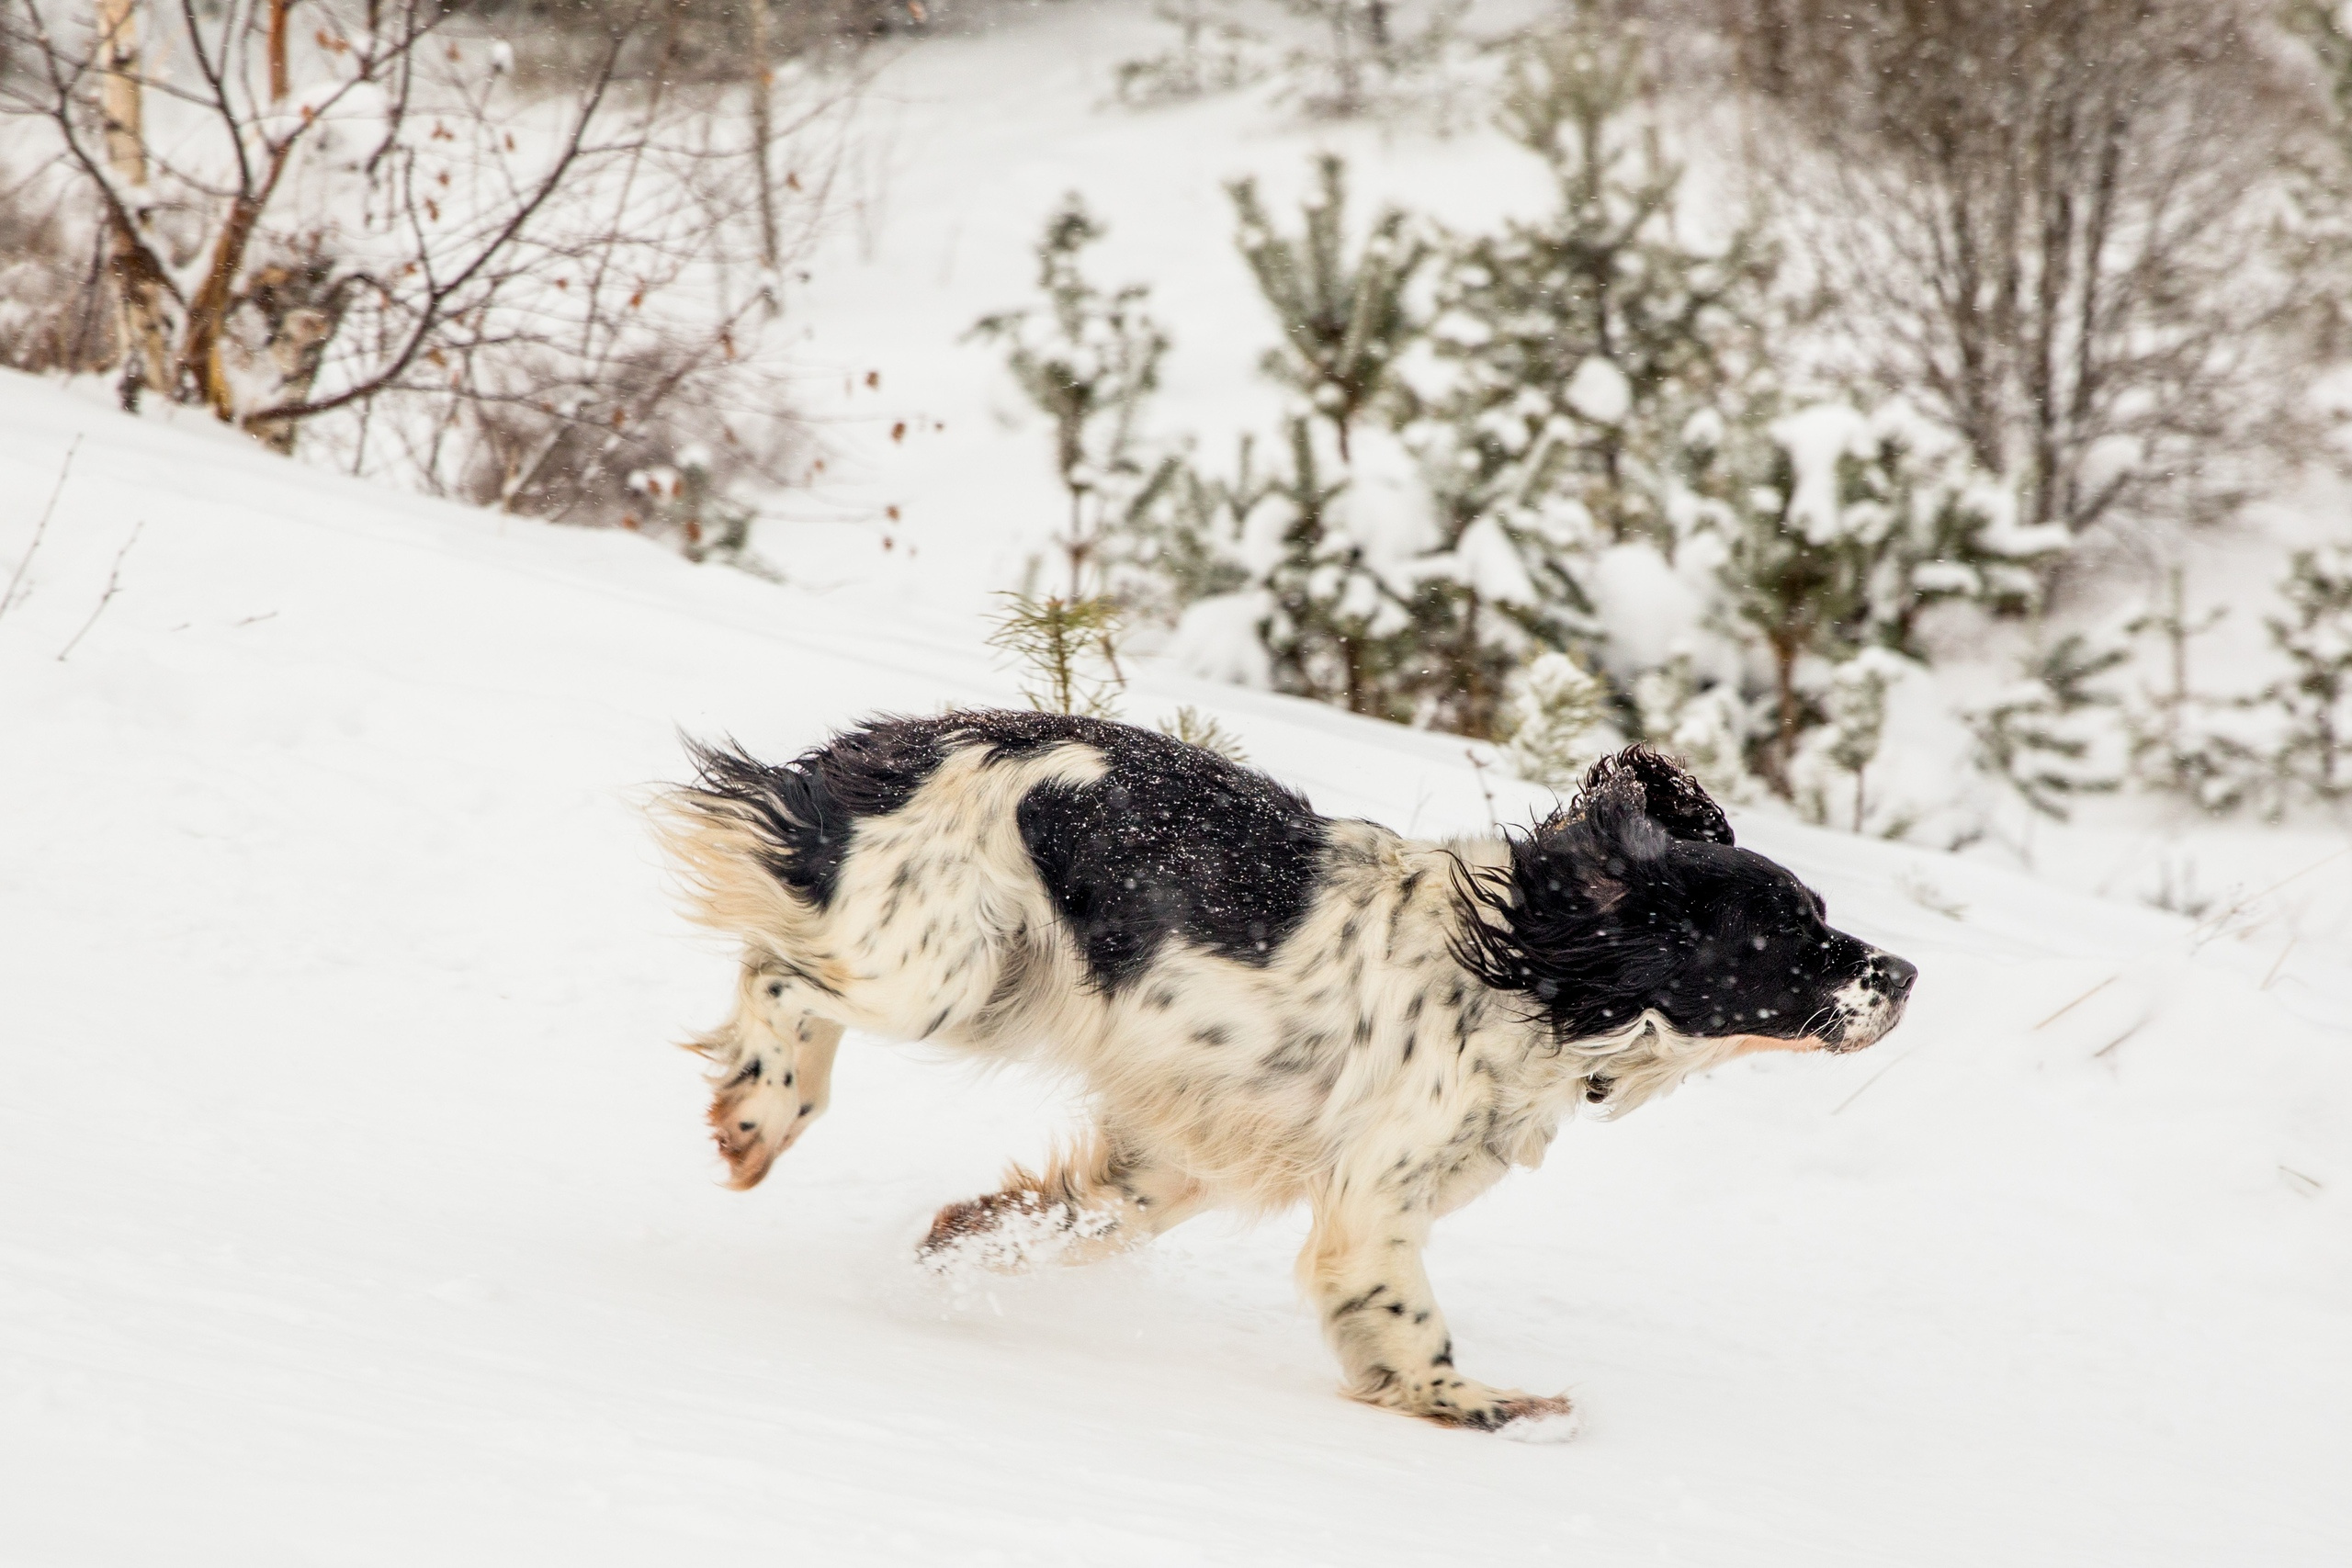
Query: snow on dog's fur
point(1265, 1005)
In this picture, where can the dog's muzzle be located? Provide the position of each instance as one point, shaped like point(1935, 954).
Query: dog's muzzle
point(1865, 1007)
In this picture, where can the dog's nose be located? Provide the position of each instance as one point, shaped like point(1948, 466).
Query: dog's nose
point(1899, 975)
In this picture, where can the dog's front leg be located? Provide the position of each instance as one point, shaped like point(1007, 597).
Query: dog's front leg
point(1363, 1269)
point(772, 1074)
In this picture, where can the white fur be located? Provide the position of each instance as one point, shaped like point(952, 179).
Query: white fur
point(1360, 1070)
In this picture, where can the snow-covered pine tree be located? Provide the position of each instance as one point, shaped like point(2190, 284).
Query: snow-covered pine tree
point(2042, 734)
point(1557, 722)
point(1839, 527)
point(2316, 698)
point(1336, 614)
point(2183, 741)
point(1342, 311)
point(1582, 342)
point(1216, 51)
point(1320, 544)
point(1366, 53)
point(1088, 360)
point(1574, 348)
point(1705, 726)
point(1853, 730)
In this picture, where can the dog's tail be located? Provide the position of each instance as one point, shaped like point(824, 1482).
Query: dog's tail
point(750, 841)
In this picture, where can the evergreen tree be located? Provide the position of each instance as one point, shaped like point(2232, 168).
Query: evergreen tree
point(2316, 636)
point(1558, 722)
point(1088, 360)
point(1853, 730)
point(1575, 348)
point(1215, 52)
point(1582, 342)
point(2041, 735)
point(1344, 319)
point(1839, 529)
point(2181, 739)
point(1307, 537)
point(1067, 651)
point(1705, 726)
point(1367, 53)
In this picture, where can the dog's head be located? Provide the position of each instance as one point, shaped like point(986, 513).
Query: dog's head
point(1634, 900)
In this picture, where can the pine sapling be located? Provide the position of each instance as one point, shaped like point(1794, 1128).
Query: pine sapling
point(1067, 651)
point(1215, 52)
point(1194, 727)
point(2039, 735)
point(1856, 707)
point(2175, 744)
point(1090, 360)
point(1558, 718)
point(2316, 636)
point(1345, 319)
point(1705, 727)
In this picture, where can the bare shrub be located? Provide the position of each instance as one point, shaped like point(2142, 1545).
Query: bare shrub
point(53, 313)
point(2051, 222)
point(369, 239)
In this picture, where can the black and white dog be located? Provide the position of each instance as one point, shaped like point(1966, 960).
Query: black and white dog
point(1264, 1005)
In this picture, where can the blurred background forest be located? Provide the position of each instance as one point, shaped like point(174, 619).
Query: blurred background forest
point(1926, 417)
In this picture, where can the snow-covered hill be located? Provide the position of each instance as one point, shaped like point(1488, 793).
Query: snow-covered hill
point(357, 1211)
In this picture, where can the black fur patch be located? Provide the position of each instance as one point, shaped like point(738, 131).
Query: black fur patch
point(1172, 840)
point(1634, 900)
point(805, 810)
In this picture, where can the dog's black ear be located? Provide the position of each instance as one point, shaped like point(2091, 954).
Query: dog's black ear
point(1638, 779)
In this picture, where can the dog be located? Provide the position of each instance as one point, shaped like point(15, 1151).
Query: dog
point(1264, 1005)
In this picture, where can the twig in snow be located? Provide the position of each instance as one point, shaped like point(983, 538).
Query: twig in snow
point(2223, 919)
point(2080, 1000)
point(41, 528)
point(2278, 963)
point(114, 586)
point(1875, 1077)
point(253, 620)
point(2314, 1182)
point(2118, 1040)
point(1494, 823)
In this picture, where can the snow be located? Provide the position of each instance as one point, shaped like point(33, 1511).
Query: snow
point(363, 1213)
point(1600, 391)
point(360, 1212)
point(1817, 438)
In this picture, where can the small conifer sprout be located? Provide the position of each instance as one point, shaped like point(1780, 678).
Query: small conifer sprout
point(1558, 716)
point(1067, 651)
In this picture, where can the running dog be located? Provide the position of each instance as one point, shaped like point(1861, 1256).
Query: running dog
point(1264, 1005)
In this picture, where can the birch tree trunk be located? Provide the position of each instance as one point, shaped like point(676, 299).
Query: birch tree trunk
point(763, 133)
point(141, 294)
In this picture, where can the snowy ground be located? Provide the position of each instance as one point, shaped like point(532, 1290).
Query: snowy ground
point(359, 1212)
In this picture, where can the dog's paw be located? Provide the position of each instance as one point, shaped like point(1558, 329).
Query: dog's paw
point(1524, 1417)
point(1007, 1232)
point(1541, 1420)
point(754, 1122)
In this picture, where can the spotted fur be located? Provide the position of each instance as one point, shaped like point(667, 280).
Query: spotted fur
point(1266, 1006)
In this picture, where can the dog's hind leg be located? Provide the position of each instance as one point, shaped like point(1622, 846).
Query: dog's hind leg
point(772, 1073)
point(1362, 1268)
point(1101, 1197)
